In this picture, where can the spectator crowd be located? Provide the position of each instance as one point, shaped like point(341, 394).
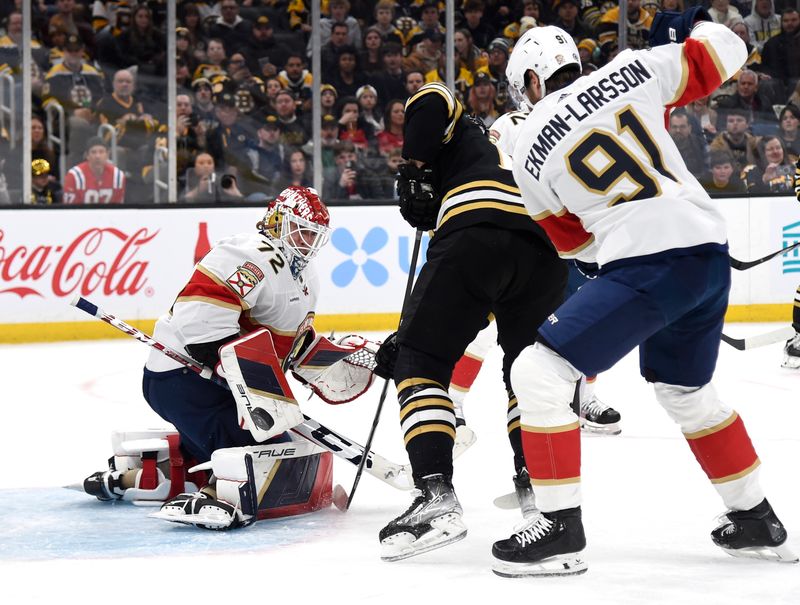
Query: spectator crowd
point(243, 109)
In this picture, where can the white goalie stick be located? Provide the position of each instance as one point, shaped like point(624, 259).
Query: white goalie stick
point(379, 467)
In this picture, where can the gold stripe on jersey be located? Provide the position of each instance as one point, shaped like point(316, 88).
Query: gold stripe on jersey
point(714, 57)
point(413, 382)
point(217, 280)
point(552, 429)
point(575, 251)
point(454, 107)
point(477, 185)
point(210, 301)
point(572, 251)
point(684, 79)
point(457, 209)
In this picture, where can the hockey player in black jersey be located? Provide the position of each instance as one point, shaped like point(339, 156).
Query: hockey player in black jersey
point(486, 256)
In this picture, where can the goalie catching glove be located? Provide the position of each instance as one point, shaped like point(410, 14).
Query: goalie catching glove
point(419, 202)
point(337, 371)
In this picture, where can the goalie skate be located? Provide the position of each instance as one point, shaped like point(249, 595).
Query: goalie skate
point(599, 418)
point(433, 520)
point(756, 533)
point(791, 353)
point(200, 510)
point(550, 544)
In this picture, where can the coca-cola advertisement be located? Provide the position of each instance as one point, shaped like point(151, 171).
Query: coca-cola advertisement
point(133, 262)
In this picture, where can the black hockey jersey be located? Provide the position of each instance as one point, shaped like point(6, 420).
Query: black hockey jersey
point(468, 170)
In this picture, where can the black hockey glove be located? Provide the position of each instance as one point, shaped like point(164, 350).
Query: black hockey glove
point(673, 26)
point(386, 357)
point(419, 202)
point(588, 270)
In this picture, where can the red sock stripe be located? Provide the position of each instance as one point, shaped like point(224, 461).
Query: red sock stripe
point(724, 451)
point(552, 455)
point(465, 372)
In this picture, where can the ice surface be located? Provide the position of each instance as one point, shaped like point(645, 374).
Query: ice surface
point(648, 508)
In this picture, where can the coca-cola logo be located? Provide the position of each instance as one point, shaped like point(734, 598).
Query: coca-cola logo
point(99, 260)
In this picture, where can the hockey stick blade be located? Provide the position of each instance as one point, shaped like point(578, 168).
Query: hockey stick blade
point(759, 340)
point(745, 265)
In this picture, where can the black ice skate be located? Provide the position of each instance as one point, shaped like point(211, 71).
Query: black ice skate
point(433, 520)
point(201, 510)
point(597, 417)
point(550, 544)
point(104, 485)
point(791, 353)
point(756, 533)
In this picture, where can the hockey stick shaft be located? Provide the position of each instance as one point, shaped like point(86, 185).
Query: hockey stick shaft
point(759, 340)
point(744, 265)
point(409, 285)
point(337, 444)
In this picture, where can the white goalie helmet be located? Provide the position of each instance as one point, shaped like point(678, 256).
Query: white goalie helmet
point(543, 50)
point(300, 221)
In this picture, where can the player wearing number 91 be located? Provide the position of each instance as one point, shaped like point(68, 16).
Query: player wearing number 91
point(599, 172)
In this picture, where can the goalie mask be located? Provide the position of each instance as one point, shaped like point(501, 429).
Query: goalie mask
point(299, 221)
point(544, 51)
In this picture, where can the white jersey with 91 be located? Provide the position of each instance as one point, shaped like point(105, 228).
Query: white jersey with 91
point(598, 169)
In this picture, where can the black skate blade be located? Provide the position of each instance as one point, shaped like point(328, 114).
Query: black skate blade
point(776, 554)
point(571, 564)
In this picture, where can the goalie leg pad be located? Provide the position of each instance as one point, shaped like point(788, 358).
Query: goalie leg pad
point(263, 397)
point(257, 482)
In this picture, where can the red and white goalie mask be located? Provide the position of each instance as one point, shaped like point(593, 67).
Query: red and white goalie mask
point(299, 220)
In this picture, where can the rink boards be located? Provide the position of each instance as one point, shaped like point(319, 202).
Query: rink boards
point(132, 262)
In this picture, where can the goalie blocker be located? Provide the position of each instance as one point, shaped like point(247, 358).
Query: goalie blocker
point(337, 372)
